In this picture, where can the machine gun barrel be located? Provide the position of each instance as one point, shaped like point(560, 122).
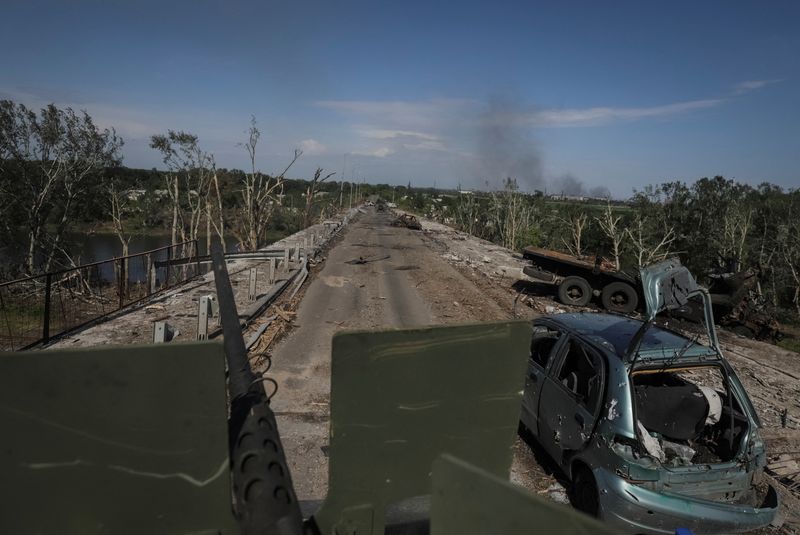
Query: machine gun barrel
point(264, 499)
point(241, 376)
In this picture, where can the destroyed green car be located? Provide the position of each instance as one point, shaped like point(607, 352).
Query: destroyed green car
point(654, 430)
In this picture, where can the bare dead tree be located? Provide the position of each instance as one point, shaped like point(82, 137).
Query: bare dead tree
point(466, 213)
point(118, 205)
point(609, 224)
point(788, 243)
point(188, 163)
point(736, 224)
point(311, 193)
point(216, 220)
point(511, 215)
point(645, 248)
point(258, 195)
point(576, 224)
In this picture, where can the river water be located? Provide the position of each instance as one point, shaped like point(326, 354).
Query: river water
point(95, 247)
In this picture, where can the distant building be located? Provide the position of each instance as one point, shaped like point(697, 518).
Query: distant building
point(562, 197)
point(135, 194)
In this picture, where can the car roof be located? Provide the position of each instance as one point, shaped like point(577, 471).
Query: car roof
point(616, 332)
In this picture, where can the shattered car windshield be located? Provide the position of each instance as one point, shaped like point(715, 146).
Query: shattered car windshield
point(619, 331)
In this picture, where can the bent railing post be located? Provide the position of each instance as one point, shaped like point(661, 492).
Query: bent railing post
point(46, 320)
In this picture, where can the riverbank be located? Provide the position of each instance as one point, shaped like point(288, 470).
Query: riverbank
point(179, 306)
point(94, 245)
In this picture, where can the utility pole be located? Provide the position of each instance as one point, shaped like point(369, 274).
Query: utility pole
point(341, 182)
point(353, 185)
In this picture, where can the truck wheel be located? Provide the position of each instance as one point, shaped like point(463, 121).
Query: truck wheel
point(620, 297)
point(575, 291)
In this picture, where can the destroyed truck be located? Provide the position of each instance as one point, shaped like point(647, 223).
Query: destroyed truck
point(735, 297)
point(654, 430)
point(578, 280)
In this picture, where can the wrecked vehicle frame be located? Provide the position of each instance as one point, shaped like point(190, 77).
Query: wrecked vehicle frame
point(624, 407)
point(578, 281)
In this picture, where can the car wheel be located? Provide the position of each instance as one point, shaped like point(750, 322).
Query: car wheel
point(620, 297)
point(575, 291)
point(584, 492)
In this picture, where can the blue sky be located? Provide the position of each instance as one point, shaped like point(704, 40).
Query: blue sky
point(609, 94)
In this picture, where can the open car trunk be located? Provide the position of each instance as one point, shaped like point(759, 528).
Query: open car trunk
point(693, 425)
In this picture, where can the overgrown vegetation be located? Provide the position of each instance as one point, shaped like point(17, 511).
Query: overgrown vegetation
point(713, 224)
point(60, 173)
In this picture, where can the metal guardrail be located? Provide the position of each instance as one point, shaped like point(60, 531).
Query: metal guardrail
point(33, 310)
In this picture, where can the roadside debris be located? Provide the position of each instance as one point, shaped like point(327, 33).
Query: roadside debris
point(557, 493)
point(740, 306)
point(361, 260)
point(286, 315)
point(408, 221)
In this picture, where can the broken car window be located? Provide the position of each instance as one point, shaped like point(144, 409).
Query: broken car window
point(581, 374)
point(542, 344)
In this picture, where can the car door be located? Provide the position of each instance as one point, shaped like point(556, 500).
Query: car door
point(570, 397)
point(545, 342)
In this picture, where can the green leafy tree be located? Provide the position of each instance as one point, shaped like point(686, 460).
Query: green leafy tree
point(49, 165)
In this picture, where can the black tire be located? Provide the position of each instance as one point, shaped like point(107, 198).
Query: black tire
point(575, 291)
point(620, 297)
point(743, 330)
point(584, 491)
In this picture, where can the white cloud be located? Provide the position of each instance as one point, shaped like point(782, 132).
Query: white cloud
point(393, 134)
point(408, 121)
point(312, 147)
point(128, 122)
point(405, 139)
point(752, 85)
point(381, 152)
point(400, 115)
point(605, 115)
point(449, 127)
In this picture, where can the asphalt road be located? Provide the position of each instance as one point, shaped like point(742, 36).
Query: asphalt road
point(377, 276)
